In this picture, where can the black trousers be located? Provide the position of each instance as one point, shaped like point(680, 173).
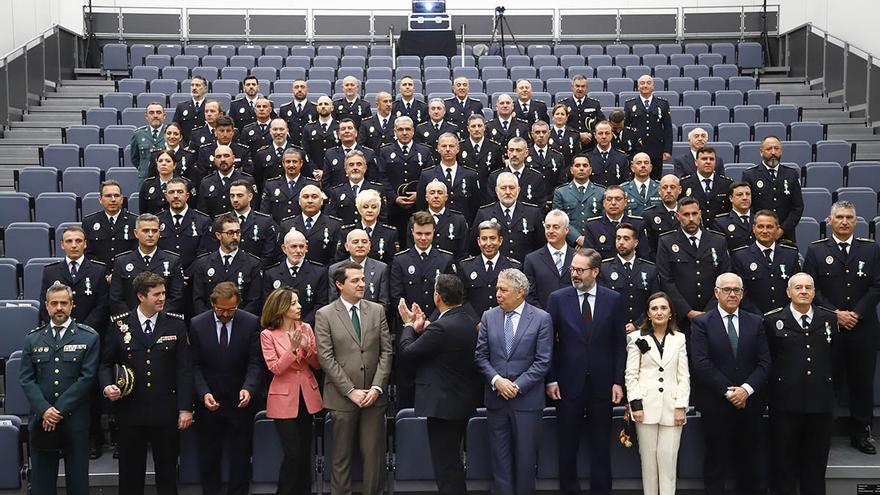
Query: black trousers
point(733, 440)
point(570, 412)
point(801, 442)
point(294, 477)
point(133, 441)
point(857, 361)
point(214, 430)
point(444, 439)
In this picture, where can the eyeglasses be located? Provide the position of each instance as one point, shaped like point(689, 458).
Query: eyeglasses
point(232, 232)
point(578, 271)
point(737, 291)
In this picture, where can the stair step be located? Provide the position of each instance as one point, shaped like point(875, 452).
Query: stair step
point(70, 118)
point(59, 109)
point(29, 142)
point(87, 82)
point(39, 124)
point(68, 102)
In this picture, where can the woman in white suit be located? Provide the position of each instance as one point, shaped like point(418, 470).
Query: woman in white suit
point(658, 389)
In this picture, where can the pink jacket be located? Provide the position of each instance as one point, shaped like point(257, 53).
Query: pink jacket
point(293, 372)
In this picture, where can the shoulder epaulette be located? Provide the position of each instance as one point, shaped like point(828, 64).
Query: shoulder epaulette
point(493, 141)
point(392, 227)
point(789, 246)
point(369, 182)
point(643, 260)
point(129, 214)
point(194, 129)
point(637, 217)
point(818, 241)
point(92, 214)
point(688, 176)
point(260, 213)
point(651, 207)
point(772, 311)
point(512, 260)
point(661, 98)
point(141, 127)
point(401, 252)
point(53, 263)
point(344, 226)
point(594, 218)
point(864, 239)
point(86, 328)
point(254, 256)
point(177, 316)
point(328, 216)
point(245, 174)
point(123, 253)
point(210, 144)
point(168, 251)
point(119, 317)
point(427, 167)
point(520, 119)
point(366, 148)
point(450, 98)
point(473, 99)
point(201, 213)
point(739, 248)
point(826, 309)
point(204, 254)
point(101, 263)
point(487, 206)
point(468, 168)
point(629, 100)
point(529, 204)
point(445, 251)
point(533, 169)
point(752, 167)
point(721, 214)
point(668, 232)
point(273, 265)
point(35, 330)
point(237, 99)
point(454, 211)
point(312, 262)
point(786, 166)
point(724, 177)
point(715, 232)
point(608, 259)
point(467, 259)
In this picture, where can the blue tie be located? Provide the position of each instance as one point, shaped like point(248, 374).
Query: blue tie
point(308, 224)
point(290, 184)
point(647, 105)
point(731, 334)
point(508, 332)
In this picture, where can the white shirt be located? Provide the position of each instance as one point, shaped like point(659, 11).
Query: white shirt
point(79, 262)
point(698, 235)
point(553, 252)
point(182, 212)
point(478, 143)
point(142, 319)
point(493, 260)
point(290, 266)
point(223, 255)
point(631, 260)
point(647, 101)
point(724, 320)
point(219, 326)
point(798, 316)
point(700, 176)
point(504, 209)
point(848, 240)
point(639, 185)
point(771, 247)
point(314, 218)
point(452, 169)
point(243, 214)
point(579, 185)
point(591, 294)
point(151, 255)
point(64, 326)
point(112, 218)
point(426, 252)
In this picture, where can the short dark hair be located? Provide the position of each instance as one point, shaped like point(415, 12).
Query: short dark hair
point(250, 77)
point(225, 290)
point(593, 255)
point(347, 120)
point(340, 273)
point(223, 219)
point(616, 116)
point(627, 226)
point(179, 180)
point(200, 78)
point(736, 185)
point(706, 149)
point(224, 120)
point(108, 183)
point(243, 183)
point(423, 218)
point(688, 200)
point(145, 282)
point(767, 213)
point(450, 289)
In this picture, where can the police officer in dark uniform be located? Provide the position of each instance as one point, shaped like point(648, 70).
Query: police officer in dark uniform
point(269, 160)
point(184, 158)
point(259, 233)
point(678, 259)
point(407, 104)
point(224, 131)
point(146, 258)
point(152, 194)
point(583, 112)
point(87, 280)
point(521, 225)
point(451, 231)
point(563, 137)
point(321, 230)
point(205, 134)
point(256, 134)
point(242, 109)
point(846, 270)
point(321, 134)
point(213, 197)
point(776, 187)
point(506, 125)
point(334, 159)
point(111, 231)
point(378, 130)
point(153, 344)
point(480, 153)
point(737, 224)
point(610, 166)
point(228, 264)
point(191, 113)
point(462, 184)
point(549, 161)
point(623, 138)
point(281, 194)
point(802, 338)
point(648, 115)
point(526, 107)
point(59, 362)
point(600, 233)
point(307, 277)
point(532, 186)
point(711, 189)
point(479, 273)
point(384, 240)
point(435, 125)
point(351, 105)
point(299, 111)
point(634, 278)
point(662, 218)
point(460, 107)
point(401, 164)
point(341, 198)
point(184, 230)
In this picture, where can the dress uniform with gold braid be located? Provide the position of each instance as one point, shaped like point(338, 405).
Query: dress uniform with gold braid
point(106, 241)
point(635, 285)
point(765, 281)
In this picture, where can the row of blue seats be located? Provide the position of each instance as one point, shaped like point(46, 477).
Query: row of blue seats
point(81, 181)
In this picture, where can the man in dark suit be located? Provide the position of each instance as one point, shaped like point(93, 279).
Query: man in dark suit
point(610, 166)
point(730, 361)
point(686, 164)
point(514, 348)
point(589, 357)
point(227, 373)
point(407, 104)
point(259, 233)
point(307, 277)
point(191, 113)
point(111, 230)
point(241, 110)
point(506, 125)
point(526, 107)
point(299, 111)
point(446, 378)
point(153, 344)
point(480, 273)
point(321, 230)
point(547, 267)
point(650, 118)
point(183, 230)
point(478, 152)
point(708, 187)
point(736, 224)
point(378, 130)
point(462, 184)
point(776, 187)
point(846, 270)
point(635, 279)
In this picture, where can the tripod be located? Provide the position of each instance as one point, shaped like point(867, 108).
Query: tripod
point(765, 39)
point(498, 31)
point(92, 53)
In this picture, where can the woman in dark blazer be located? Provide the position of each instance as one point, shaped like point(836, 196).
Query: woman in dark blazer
point(290, 352)
point(152, 195)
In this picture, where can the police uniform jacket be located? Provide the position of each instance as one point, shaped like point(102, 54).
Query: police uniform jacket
point(184, 162)
point(341, 201)
point(371, 133)
point(479, 285)
point(255, 135)
point(686, 164)
point(143, 145)
point(658, 221)
point(151, 198)
point(428, 135)
point(850, 283)
point(532, 186)
point(316, 141)
point(600, 233)
point(242, 112)
point(458, 112)
point(540, 268)
point(399, 169)
point(213, 197)
point(463, 194)
point(418, 110)
point(627, 141)
point(653, 127)
point(738, 232)
point(244, 271)
point(193, 237)
point(522, 235)
point(384, 242)
point(782, 195)
point(412, 277)
point(569, 143)
point(636, 204)
point(801, 378)
point(297, 119)
point(106, 242)
point(765, 283)
point(310, 283)
point(279, 201)
point(515, 128)
point(537, 110)
point(451, 233)
point(356, 110)
point(268, 163)
point(334, 166)
point(89, 290)
point(242, 157)
point(259, 236)
point(201, 136)
point(677, 262)
point(163, 379)
point(635, 285)
point(584, 117)
point(129, 265)
point(716, 202)
point(489, 159)
point(612, 170)
point(578, 206)
point(188, 118)
point(553, 166)
point(60, 374)
point(323, 237)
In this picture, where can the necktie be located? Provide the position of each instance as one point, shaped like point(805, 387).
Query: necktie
point(731, 334)
point(177, 219)
point(241, 219)
point(558, 256)
point(586, 310)
point(508, 332)
point(279, 151)
point(112, 222)
point(57, 332)
point(291, 184)
point(844, 248)
point(73, 269)
point(772, 173)
point(164, 186)
point(627, 266)
point(517, 175)
point(324, 127)
point(805, 321)
point(369, 231)
point(147, 260)
point(525, 108)
point(489, 267)
point(643, 192)
point(294, 270)
point(155, 134)
point(405, 149)
point(476, 149)
point(614, 224)
point(299, 108)
point(504, 125)
point(436, 218)
point(768, 254)
point(227, 260)
point(263, 128)
point(408, 107)
point(604, 155)
point(251, 103)
point(423, 255)
point(541, 154)
point(198, 106)
point(356, 322)
point(223, 181)
point(354, 190)
point(507, 217)
point(148, 330)
point(693, 239)
point(708, 183)
point(449, 175)
point(561, 134)
point(346, 151)
point(647, 105)
point(745, 219)
point(437, 127)
point(224, 336)
point(384, 123)
point(308, 224)
point(582, 189)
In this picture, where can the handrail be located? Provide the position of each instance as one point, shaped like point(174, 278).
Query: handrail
point(12, 55)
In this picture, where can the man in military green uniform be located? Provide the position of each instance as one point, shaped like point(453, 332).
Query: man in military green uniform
point(148, 138)
point(642, 191)
point(58, 366)
point(580, 199)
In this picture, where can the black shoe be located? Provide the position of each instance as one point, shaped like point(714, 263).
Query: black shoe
point(863, 445)
point(95, 452)
point(116, 452)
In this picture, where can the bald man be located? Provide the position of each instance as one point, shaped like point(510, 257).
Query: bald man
point(256, 134)
point(648, 115)
point(662, 218)
point(351, 105)
point(506, 125)
point(378, 130)
point(461, 106)
point(320, 135)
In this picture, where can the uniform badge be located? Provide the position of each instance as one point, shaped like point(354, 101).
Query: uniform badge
point(251, 133)
point(674, 248)
point(314, 132)
point(268, 158)
point(657, 220)
point(277, 192)
point(829, 259)
point(529, 159)
point(161, 227)
point(779, 324)
point(392, 155)
point(614, 276)
point(494, 131)
point(129, 267)
point(760, 184)
point(152, 190)
point(372, 129)
point(340, 108)
point(211, 272)
point(342, 197)
point(464, 154)
point(202, 140)
point(97, 226)
point(241, 110)
point(427, 134)
point(688, 192)
point(276, 284)
point(211, 189)
point(126, 338)
point(411, 270)
point(753, 267)
point(185, 113)
point(473, 275)
point(602, 239)
point(451, 109)
point(731, 228)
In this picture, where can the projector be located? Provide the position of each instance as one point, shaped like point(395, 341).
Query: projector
point(429, 15)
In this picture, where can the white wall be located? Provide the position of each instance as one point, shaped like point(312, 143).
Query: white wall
point(854, 21)
point(22, 20)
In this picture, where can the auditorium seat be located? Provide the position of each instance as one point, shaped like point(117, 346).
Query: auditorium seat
point(412, 454)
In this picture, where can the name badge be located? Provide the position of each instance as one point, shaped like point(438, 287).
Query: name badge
point(167, 338)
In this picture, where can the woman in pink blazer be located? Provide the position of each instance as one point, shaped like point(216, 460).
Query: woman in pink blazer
point(290, 352)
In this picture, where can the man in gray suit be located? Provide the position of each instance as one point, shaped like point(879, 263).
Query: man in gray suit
point(354, 349)
point(357, 243)
point(513, 354)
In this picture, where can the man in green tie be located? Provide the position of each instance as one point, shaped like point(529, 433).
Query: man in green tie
point(354, 348)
